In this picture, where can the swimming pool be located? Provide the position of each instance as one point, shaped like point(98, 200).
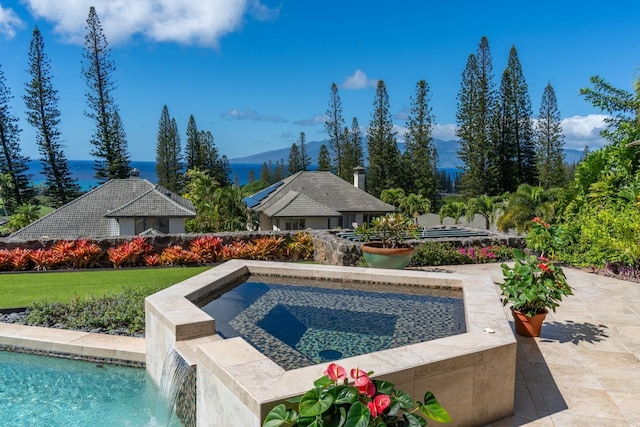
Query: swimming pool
point(39, 391)
point(305, 322)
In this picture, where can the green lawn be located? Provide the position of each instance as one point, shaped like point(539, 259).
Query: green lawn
point(20, 290)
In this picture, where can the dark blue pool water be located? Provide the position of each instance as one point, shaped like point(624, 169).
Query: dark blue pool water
point(301, 325)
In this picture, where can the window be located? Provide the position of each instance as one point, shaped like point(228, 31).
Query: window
point(161, 224)
point(294, 224)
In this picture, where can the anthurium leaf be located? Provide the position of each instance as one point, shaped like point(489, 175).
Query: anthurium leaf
point(310, 422)
point(405, 401)
point(280, 415)
point(383, 387)
point(323, 381)
point(412, 420)
point(433, 410)
point(358, 416)
point(344, 394)
point(315, 402)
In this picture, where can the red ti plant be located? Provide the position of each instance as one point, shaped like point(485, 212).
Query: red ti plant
point(20, 258)
point(85, 254)
point(207, 248)
point(5, 258)
point(177, 255)
point(44, 259)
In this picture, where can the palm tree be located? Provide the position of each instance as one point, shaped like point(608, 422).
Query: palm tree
point(455, 210)
point(393, 196)
point(414, 205)
point(485, 206)
point(527, 202)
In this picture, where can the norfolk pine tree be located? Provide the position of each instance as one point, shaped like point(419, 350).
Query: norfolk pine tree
point(305, 160)
point(420, 152)
point(168, 157)
point(13, 165)
point(474, 118)
point(41, 101)
point(356, 143)
point(334, 123)
point(517, 104)
point(324, 160)
point(294, 165)
point(549, 142)
point(384, 155)
point(110, 150)
point(193, 152)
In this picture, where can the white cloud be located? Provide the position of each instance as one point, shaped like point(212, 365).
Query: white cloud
point(310, 122)
point(182, 21)
point(446, 132)
point(9, 21)
point(359, 80)
point(584, 130)
point(251, 115)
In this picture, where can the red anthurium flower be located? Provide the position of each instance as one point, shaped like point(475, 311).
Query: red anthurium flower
point(369, 389)
point(382, 402)
point(372, 409)
point(360, 377)
point(335, 372)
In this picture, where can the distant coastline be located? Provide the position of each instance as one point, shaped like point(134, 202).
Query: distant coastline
point(83, 171)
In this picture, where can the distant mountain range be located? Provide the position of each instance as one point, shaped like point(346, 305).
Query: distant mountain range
point(447, 154)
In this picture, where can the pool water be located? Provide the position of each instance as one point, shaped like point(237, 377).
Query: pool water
point(301, 325)
point(48, 391)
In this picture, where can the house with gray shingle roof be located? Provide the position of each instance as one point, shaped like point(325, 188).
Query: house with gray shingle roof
point(119, 207)
point(316, 200)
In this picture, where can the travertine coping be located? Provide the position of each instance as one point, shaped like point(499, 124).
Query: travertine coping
point(258, 383)
point(67, 342)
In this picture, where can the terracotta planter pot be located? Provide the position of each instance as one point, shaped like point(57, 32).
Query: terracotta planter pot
point(379, 257)
point(528, 326)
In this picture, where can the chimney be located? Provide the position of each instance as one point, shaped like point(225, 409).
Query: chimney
point(358, 177)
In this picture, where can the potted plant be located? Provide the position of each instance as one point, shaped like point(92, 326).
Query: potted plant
point(333, 401)
point(384, 241)
point(533, 286)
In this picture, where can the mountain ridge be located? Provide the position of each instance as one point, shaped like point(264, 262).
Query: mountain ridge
point(447, 154)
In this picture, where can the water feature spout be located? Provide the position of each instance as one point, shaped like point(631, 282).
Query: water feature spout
point(174, 371)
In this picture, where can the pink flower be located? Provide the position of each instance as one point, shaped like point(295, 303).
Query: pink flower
point(372, 409)
point(360, 377)
point(335, 372)
point(369, 389)
point(382, 402)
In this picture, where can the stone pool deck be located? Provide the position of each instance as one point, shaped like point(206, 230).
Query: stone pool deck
point(584, 369)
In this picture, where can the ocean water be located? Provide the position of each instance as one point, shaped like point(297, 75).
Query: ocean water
point(83, 171)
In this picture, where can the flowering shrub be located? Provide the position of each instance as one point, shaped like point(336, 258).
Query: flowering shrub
point(445, 253)
point(543, 237)
point(333, 401)
point(533, 285)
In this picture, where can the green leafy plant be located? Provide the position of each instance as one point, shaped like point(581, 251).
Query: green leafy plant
point(333, 401)
point(391, 230)
point(543, 237)
point(533, 285)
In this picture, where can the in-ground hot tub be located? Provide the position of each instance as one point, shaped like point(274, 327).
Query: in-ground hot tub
point(472, 373)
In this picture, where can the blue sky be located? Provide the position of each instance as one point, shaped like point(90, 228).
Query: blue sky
point(256, 74)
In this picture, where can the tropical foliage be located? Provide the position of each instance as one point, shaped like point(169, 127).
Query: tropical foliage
point(335, 401)
point(533, 285)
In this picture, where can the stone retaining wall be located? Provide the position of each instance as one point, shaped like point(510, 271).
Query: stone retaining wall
point(333, 250)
